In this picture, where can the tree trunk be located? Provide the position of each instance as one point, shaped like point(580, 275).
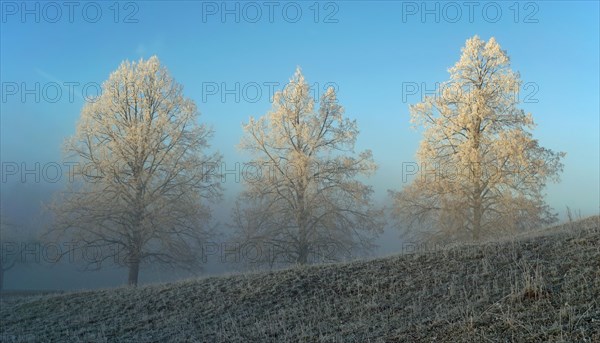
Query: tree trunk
point(302, 228)
point(477, 177)
point(134, 269)
point(303, 245)
point(477, 210)
point(477, 221)
point(303, 253)
point(134, 258)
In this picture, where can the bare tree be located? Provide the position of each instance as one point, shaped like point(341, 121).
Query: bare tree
point(140, 187)
point(482, 173)
point(303, 198)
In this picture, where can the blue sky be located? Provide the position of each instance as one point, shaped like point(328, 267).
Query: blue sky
point(369, 51)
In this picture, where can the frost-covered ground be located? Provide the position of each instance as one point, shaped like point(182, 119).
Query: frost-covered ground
point(543, 287)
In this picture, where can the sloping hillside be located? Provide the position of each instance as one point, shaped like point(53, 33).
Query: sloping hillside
point(543, 287)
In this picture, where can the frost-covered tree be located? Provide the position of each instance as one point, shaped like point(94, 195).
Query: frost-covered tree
point(482, 172)
point(306, 202)
point(140, 187)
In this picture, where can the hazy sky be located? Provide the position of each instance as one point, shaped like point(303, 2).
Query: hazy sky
point(373, 52)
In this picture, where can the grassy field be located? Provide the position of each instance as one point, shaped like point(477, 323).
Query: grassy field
point(543, 287)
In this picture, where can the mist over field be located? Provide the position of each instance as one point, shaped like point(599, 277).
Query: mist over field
point(160, 148)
